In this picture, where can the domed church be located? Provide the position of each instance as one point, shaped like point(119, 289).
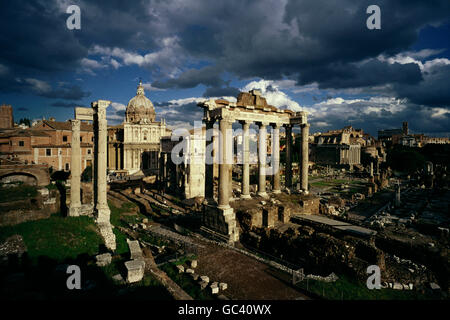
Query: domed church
point(134, 146)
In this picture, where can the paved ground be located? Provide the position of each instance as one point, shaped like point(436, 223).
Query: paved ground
point(246, 278)
point(344, 226)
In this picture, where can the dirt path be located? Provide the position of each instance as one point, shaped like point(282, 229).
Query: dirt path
point(247, 278)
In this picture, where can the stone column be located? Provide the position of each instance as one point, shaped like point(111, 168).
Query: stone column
point(276, 158)
point(209, 163)
point(305, 157)
point(225, 162)
point(245, 160)
point(101, 206)
point(262, 152)
point(288, 167)
point(75, 170)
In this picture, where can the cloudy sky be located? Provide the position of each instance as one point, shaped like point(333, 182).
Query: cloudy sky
point(317, 56)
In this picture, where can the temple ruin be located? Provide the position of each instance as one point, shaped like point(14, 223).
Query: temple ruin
point(250, 108)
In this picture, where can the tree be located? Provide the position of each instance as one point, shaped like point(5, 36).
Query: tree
point(86, 176)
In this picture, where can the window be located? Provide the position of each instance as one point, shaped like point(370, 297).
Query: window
point(48, 152)
point(92, 139)
point(67, 167)
point(21, 143)
point(81, 139)
point(89, 151)
point(64, 138)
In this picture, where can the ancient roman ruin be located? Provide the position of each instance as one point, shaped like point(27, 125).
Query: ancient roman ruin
point(250, 108)
point(100, 208)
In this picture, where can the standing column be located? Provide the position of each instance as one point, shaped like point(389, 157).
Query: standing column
point(209, 160)
point(225, 162)
point(305, 157)
point(102, 208)
point(245, 160)
point(75, 170)
point(262, 151)
point(288, 168)
point(276, 158)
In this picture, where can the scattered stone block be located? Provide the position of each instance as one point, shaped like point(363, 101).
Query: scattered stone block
point(180, 268)
point(145, 220)
point(203, 284)
point(194, 276)
point(103, 259)
point(135, 250)
point(118, 278)
point(194, 264)
point(205, 279)
point(214, 290)
point(223, 286)
point(135, 270)
point(434, 286)
point(189, 271)
point(397, 286)
point(411, 286)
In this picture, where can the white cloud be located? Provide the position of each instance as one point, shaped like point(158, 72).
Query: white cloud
point(274, 96)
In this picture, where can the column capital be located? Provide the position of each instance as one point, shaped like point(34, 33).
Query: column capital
point(100, 104)
point(227, 119)
point(75, 124)
point(276, 125)
point(262, 124)
point(305, 125)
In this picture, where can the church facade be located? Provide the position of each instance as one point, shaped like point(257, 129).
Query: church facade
point(134, 146)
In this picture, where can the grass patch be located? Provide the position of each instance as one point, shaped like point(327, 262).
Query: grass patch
point(57, 237)
point(348, 289)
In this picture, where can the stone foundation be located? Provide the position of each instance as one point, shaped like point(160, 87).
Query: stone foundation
point(222, 222)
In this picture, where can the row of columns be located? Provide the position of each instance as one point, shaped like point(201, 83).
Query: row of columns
point(100, 164)
point(225, 164)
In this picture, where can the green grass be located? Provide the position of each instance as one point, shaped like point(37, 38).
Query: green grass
point(20, 192)
point(57, 237)
point(188, 284)
point(347, 289)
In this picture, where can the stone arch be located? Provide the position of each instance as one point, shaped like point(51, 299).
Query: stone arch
point(20, 176)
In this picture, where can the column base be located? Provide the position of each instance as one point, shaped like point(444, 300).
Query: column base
point(74, 211)
point(221, 222)
point(103, 215)
point(276, 191)
point(262, 194)
point(245, 196)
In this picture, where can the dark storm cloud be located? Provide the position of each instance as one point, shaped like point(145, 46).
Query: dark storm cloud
point(434, 90)
point(61, 104)
point(370, 73)
point(221, 92)
point(70, 93)
point(209, 76)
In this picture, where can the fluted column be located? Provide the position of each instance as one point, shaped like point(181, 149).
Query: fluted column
point(262, 153)
point(276, 158)
point(288, 167)
point(209, 163)
point(75, 170)
point(245, 160)
point(101, 207)
point(225, 162)
point(305, 157)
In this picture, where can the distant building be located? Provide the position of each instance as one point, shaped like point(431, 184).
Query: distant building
point(6, 117)
point(403, 137)
point(338, 147)
point(48, 142)
point(134, 145)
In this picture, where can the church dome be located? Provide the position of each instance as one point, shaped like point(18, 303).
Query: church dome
point(140, 109)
